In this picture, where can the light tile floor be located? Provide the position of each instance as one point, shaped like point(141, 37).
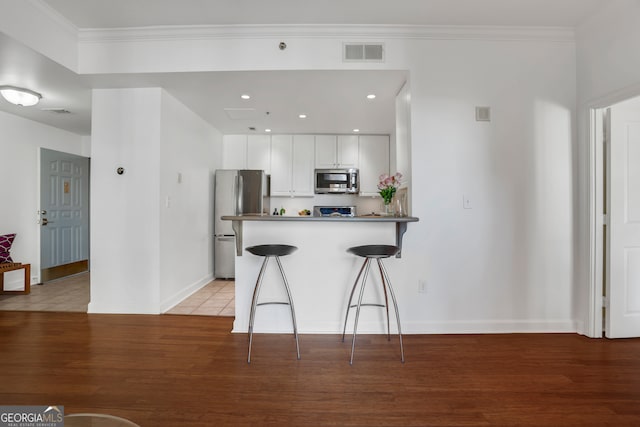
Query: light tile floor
point(215, 299)
point(72, 294)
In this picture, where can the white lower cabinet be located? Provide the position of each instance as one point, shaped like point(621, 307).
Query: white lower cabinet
point(292, 160)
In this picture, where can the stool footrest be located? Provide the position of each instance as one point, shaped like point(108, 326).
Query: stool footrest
point(273, 302)
point(367, 305)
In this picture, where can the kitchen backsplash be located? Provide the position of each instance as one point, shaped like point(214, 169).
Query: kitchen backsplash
point(292, 205)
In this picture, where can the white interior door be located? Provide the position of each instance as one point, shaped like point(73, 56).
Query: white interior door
point(623, 232)
point(64, 209)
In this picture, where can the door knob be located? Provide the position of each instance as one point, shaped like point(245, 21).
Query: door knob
point(44, 221)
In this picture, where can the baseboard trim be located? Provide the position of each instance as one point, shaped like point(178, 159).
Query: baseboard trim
point(53, 273)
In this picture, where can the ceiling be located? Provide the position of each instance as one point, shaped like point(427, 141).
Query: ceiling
point(335, 101)
point(138, 13)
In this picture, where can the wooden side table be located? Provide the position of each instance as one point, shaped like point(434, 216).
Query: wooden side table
point(12, 267)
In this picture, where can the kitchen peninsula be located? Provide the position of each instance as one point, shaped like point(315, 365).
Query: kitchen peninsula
point(320, 273)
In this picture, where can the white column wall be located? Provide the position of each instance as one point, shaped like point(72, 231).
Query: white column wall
point(20, 145)
point(125, 220)
point(152, 226)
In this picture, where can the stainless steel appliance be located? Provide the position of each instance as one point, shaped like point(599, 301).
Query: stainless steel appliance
point(237, 192)
point(336, 181)
point(340, 211)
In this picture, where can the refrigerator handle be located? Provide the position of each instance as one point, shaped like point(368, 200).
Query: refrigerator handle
point(238, 193)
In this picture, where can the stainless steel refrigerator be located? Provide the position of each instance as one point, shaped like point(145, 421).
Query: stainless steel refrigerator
point(237, 192)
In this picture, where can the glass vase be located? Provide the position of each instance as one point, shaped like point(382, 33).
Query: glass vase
point(388, 208)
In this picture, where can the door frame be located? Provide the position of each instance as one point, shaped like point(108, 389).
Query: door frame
point(75, 267)
point(595, 115)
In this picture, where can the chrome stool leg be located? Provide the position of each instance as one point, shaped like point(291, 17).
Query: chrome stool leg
point(293, 314)
point(355, 325)
point(254, 301)
point(395, 305)
point(353, 290)
point(386, 299)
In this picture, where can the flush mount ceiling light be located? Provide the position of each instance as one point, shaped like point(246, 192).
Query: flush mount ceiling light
point(267, 130)
point(20, 96)
point(302, 116)
point(245, 96)
point(356, 130)
point(371, 96)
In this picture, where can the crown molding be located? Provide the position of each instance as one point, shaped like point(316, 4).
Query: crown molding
point(361, 32)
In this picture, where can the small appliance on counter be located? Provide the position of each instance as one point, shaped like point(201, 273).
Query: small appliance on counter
point(339, 211)
point(237, 192)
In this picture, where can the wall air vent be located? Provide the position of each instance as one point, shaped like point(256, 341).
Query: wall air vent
point(363, 52)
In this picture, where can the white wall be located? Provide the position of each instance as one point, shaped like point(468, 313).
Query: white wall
point(20, 145)
point(506, 264)
point(146, 254)
point(190, 151)
point(607, 52)
point(37, 26)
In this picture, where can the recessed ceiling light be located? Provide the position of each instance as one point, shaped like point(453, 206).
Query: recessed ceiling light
point(20, 96)
point(356, 130)
point(245, 96)
point(267, 130)
point(302, 116)
point(371, 96)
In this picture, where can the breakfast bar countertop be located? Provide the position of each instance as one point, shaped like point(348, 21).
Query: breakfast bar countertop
point(400, 221)
point(370, 217)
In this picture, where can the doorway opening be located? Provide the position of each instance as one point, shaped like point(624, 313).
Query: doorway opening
point(615, 219)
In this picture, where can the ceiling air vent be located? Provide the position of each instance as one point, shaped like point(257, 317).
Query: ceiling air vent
point(363, 52)
point(56, 110)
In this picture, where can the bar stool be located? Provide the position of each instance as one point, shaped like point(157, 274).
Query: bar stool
point(369, 252)
point(268, 252)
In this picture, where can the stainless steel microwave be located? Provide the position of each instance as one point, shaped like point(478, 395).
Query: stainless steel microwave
point(337, 181)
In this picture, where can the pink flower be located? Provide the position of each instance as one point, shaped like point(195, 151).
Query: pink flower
point(388, 185)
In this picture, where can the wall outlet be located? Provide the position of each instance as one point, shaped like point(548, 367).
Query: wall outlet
point(466, 201)
point(422, 286)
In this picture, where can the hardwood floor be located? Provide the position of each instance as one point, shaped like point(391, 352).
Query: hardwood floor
point(191, 371)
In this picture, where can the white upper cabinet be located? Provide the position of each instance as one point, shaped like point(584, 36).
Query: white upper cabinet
point(234, 151)
point(339, 151)
point(259, 152)
point(281, 165)
point(303, 161)
point(292, 159)
point(374, 161)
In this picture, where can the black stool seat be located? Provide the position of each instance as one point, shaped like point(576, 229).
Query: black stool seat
point(374, 251)
point(272, 250)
